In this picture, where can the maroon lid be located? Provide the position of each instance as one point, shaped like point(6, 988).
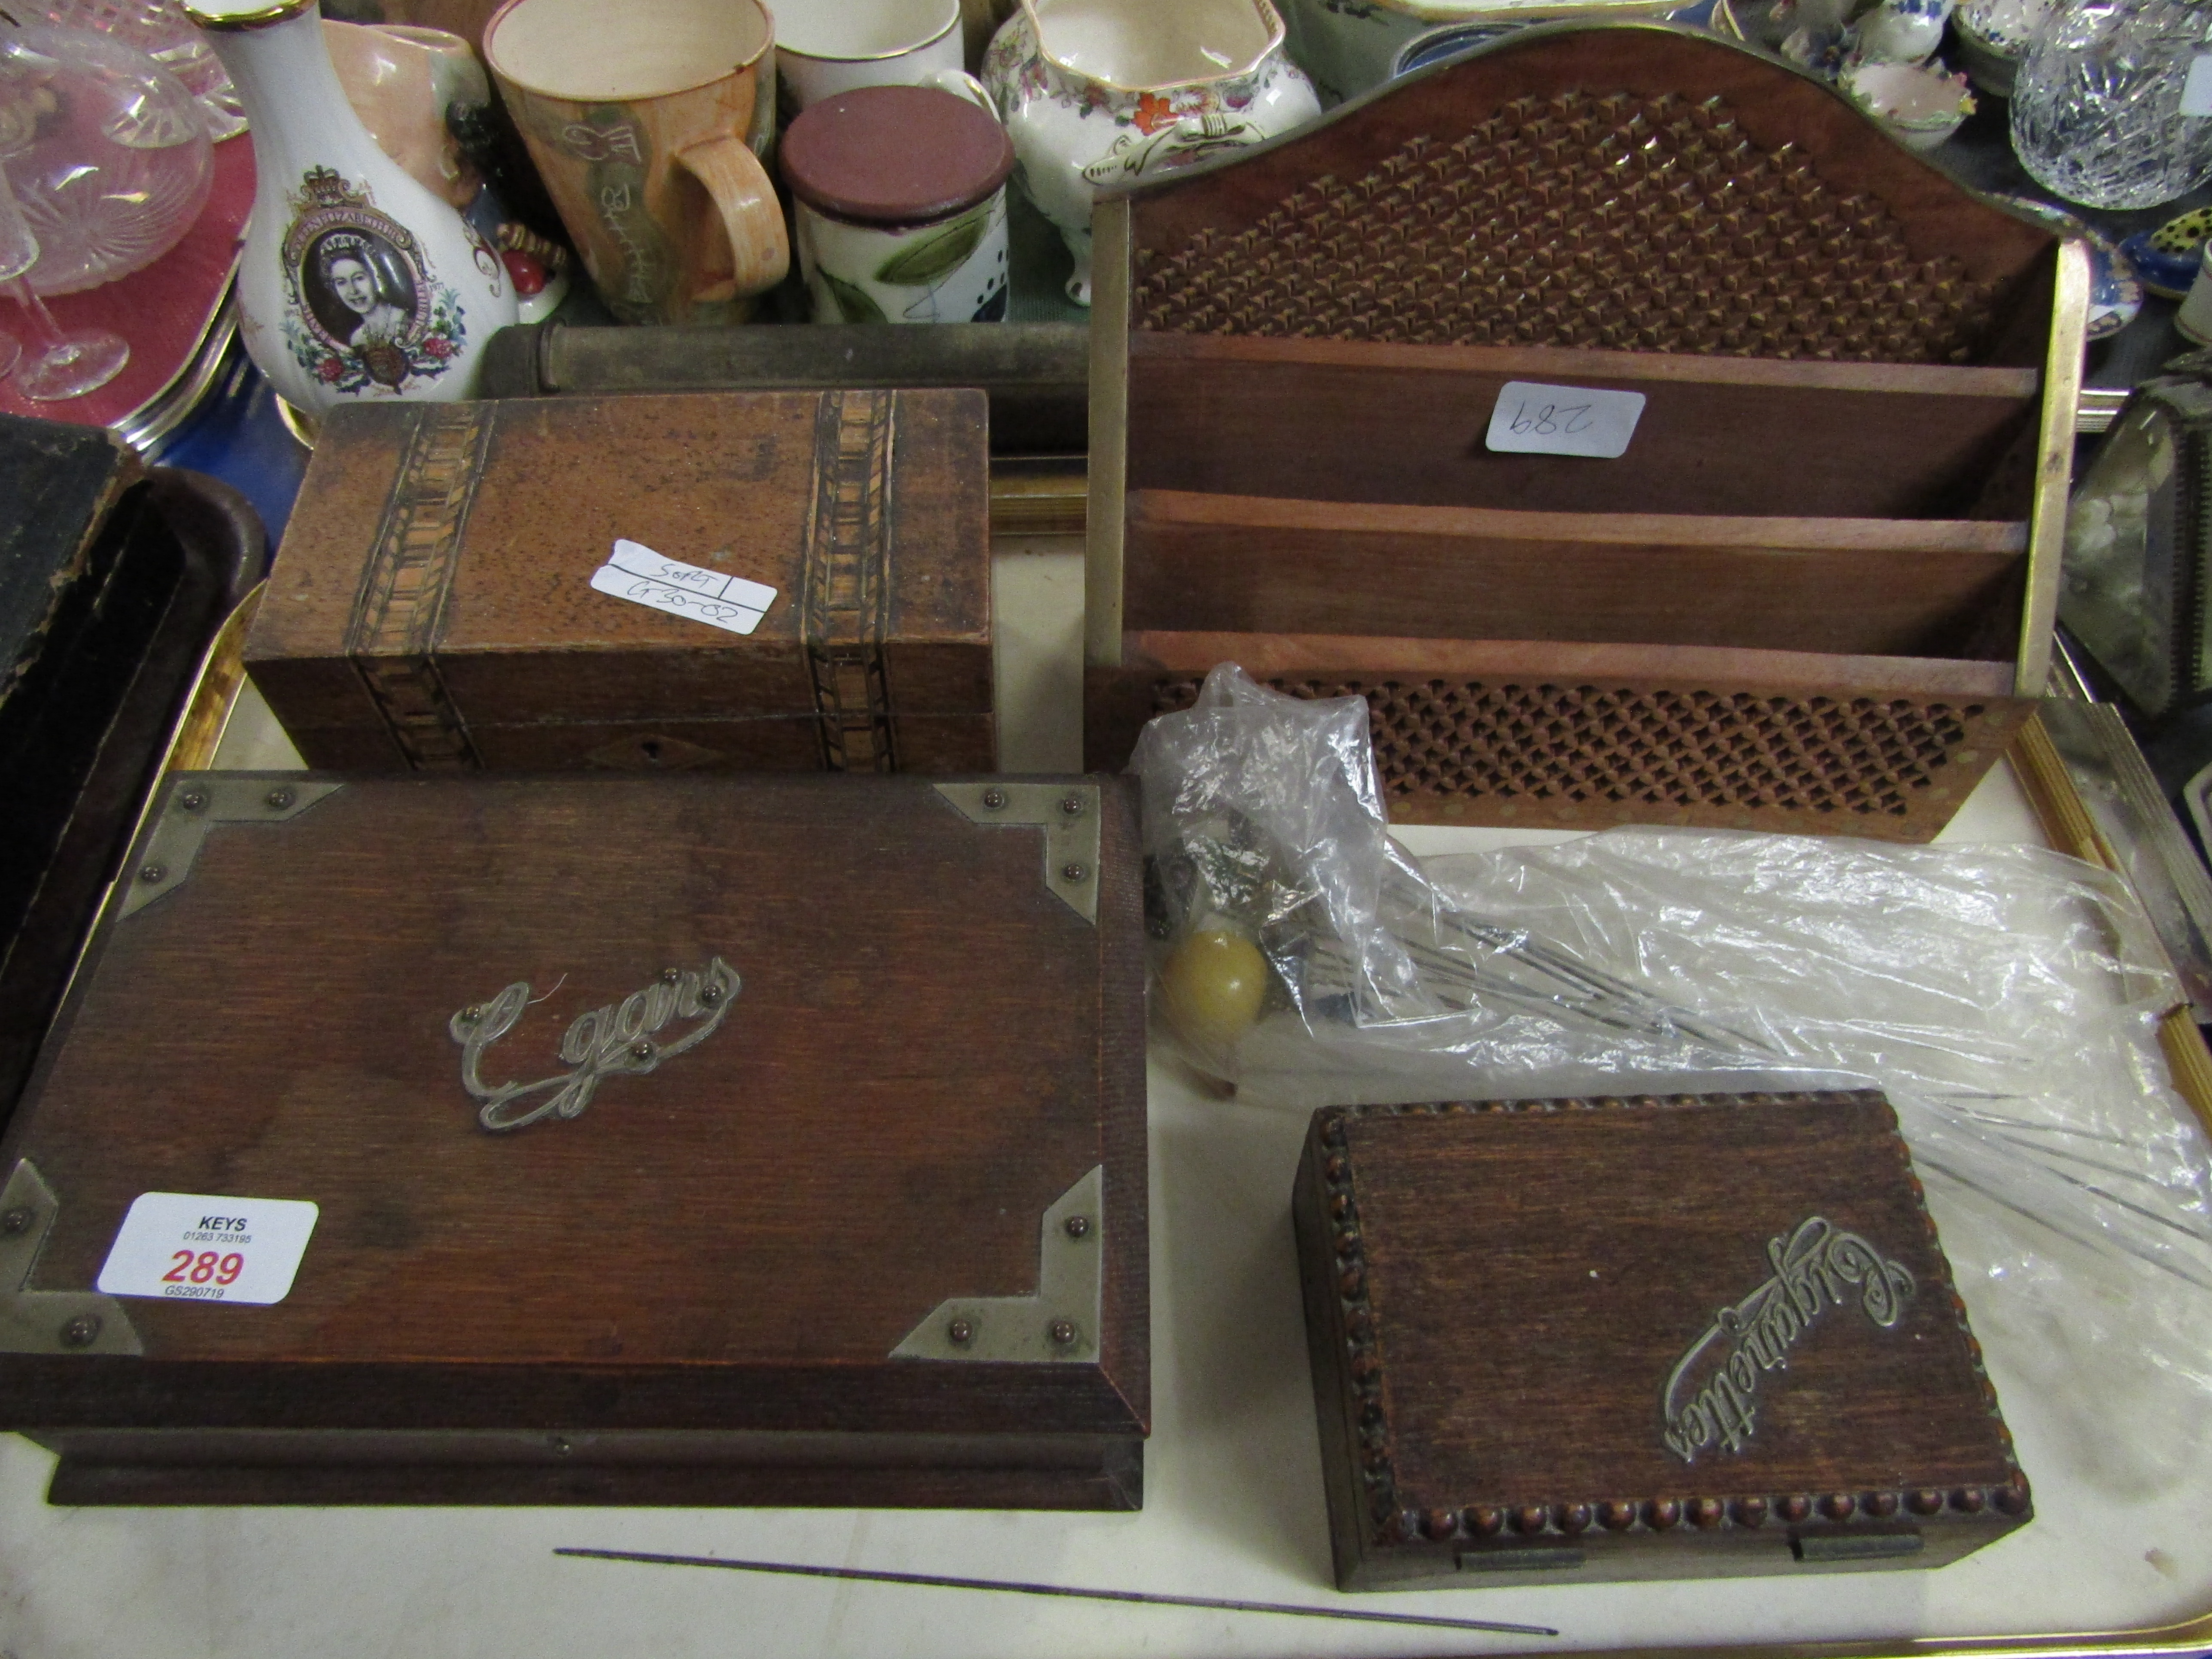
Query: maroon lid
point(895, 154)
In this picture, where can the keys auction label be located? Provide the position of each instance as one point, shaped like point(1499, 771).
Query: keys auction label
point(189, 1246)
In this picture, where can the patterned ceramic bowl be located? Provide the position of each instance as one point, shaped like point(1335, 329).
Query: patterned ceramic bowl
point(2116, 293)
point(1921, 105)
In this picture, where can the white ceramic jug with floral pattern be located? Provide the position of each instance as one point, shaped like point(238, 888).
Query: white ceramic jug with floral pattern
point(1098, 93)
point(355, 282)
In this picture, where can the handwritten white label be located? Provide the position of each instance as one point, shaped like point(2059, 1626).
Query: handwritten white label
point(634, 571)
point(2196, 90)
point(1563, 420)
point(189, 1246)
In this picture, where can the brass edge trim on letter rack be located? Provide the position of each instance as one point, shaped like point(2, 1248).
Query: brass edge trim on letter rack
point(1060, 1322)
point(196, 803)
point(1067, 813)
point(48, 1322)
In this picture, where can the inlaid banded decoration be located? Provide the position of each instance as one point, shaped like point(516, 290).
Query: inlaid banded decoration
point(400, 610)
point(1589, 219)
point(845, 582)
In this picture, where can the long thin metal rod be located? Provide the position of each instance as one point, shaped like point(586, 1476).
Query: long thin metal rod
point(1922, 1161)
point(1148, 1598)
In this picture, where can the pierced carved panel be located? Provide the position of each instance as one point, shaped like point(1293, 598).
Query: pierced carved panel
point(1895, 767)
point(1609, 221)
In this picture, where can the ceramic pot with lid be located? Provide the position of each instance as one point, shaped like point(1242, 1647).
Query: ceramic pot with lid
point(900, 203)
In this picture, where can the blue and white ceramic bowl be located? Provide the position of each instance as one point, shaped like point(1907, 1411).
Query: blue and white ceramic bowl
point(1494, 21)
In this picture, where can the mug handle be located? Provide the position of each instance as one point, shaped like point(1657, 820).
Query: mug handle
point(964, 85)
point(760, 247)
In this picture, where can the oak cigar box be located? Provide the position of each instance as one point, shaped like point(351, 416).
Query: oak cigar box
point(1617, 1339)
point(692, 1139)
point(441, 600)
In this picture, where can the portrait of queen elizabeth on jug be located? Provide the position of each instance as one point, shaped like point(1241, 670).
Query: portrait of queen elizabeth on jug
point(363, 293)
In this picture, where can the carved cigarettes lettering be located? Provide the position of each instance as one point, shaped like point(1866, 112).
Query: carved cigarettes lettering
point(617, 1039)
point(1709, 1399)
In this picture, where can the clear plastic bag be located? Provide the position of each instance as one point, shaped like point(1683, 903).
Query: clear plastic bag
point(2005, 998)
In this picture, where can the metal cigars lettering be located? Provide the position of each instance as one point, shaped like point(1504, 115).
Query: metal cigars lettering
point(617, 1040)
point(1818, 1265)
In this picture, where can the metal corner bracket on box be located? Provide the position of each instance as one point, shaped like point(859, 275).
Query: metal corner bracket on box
point(196, 803)
point(1069, 815)
point(1060, 1322)
point(48, 1322)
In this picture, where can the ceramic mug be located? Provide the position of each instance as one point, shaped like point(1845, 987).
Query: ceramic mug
point(824, 47)
point(399, 80)
point(632, 112)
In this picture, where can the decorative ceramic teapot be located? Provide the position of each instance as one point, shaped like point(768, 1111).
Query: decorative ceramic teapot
point(1099, 93)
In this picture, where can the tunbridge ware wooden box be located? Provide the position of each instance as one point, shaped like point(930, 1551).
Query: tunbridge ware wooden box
point(688, 1140)
point(432, 606)
point(1609, 1339)
point(1815, 593)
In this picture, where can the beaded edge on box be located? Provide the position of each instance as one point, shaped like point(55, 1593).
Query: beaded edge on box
point(1570, 1517)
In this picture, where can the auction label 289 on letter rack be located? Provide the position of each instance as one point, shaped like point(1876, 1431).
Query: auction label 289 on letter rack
point(193, 1248)
point(1533, 419)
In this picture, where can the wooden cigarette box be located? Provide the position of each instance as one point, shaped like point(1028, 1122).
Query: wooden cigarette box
point(1604, 1339)
point(1813, 591)
point(433, 605)
point(689, 1140)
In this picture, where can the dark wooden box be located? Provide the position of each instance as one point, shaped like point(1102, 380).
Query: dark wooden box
point(868, 1229)
point(112, 580)
point(431, 607)
point(1696, 1336)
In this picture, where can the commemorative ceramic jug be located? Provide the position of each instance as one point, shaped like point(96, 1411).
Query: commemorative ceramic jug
point(1101, 93)
point(356, 283)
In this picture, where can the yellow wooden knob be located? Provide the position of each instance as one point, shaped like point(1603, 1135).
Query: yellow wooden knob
point(1214, 983)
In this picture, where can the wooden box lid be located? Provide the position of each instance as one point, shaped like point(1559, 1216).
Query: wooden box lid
point(436, 574)
point(1710, 1334)
point(760, 1214)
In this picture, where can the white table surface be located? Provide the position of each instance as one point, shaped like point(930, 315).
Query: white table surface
point(1233, 1502)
